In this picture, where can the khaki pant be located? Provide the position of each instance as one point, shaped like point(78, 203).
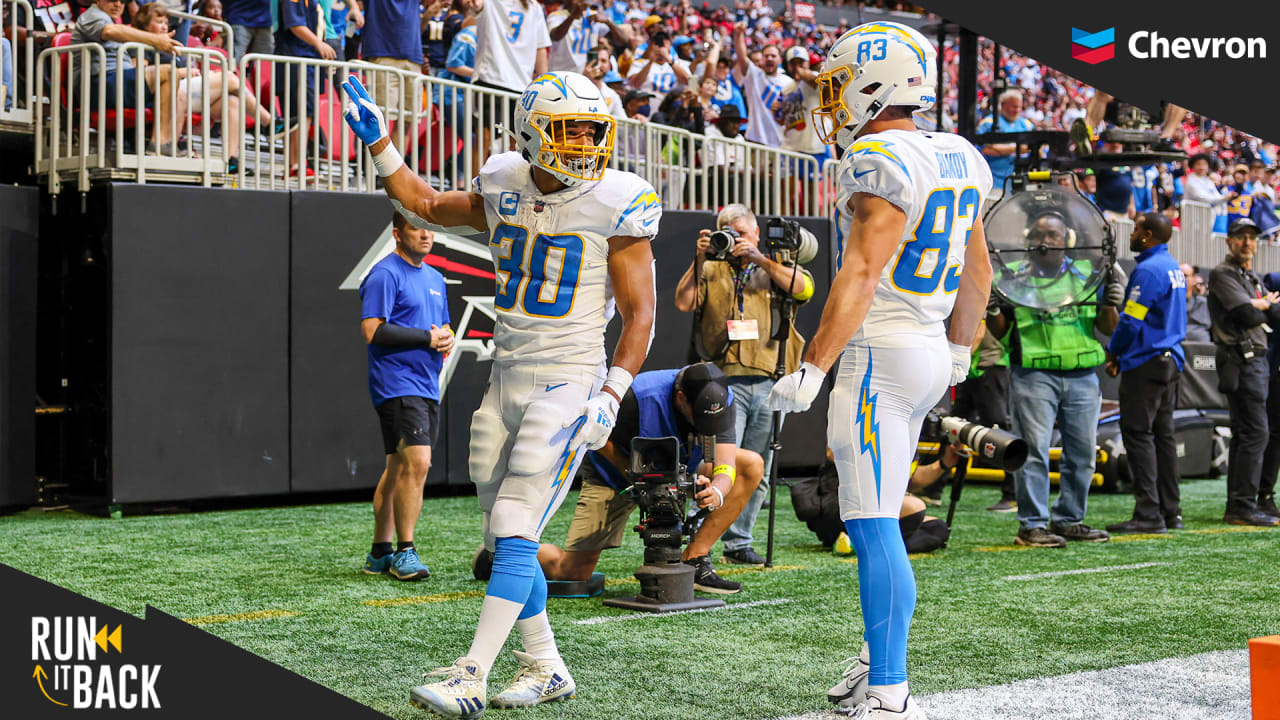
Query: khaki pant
point(391, 92)
point(600, 517)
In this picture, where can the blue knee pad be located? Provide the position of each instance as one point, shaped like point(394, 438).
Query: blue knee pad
point(887, 587)
point(515, 565)
point(537, 601)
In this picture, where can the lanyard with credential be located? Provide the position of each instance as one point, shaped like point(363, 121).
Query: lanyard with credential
point(740, 284)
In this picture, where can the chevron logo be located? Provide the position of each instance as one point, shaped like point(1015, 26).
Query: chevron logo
point(1093, 47)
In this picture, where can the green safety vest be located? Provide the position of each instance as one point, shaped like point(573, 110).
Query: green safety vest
point(1060, 339)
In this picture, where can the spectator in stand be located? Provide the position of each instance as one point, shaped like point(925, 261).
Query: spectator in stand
point(799, 134)
point(208, 35)
point(102, 24)
point(297, 38)
point(251, 22)
point(1241, 203)
point(354, 38)
point(511, 40)
point(574, 32)
point(598, 71)
point(727, 91)
point(1144, 182)
point(763, 86)
point(1198, 323)
point(656, 71)
point(1089, 184)
point(436, 40)
point(220, 86)
point(680, 109)
point(392, 38)
point(727, 125)
point(459, 66)
point(1199, 187)
point(6, 73)
point(1009, 119)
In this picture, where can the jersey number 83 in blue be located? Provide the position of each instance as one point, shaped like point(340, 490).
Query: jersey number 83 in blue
point(922, 264)
point(540, 286)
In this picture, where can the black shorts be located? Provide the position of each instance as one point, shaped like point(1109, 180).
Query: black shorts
point(415, 420)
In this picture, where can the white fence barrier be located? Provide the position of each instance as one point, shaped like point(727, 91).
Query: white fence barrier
point(16, 97)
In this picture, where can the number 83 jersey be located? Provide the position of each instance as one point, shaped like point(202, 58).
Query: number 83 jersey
point(940, 181)
point(553, 297)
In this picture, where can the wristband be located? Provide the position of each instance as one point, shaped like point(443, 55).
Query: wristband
point(618, 380)
point(725, 470)
point(388, 161)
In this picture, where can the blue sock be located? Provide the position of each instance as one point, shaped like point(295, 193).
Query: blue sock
point(887, 587)
point(515, 565)
point(537, 601)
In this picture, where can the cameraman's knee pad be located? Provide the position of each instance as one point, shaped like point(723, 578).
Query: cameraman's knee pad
point(515, 565)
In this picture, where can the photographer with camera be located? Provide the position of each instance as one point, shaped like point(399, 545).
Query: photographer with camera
point(739, 295)
point(693, 401)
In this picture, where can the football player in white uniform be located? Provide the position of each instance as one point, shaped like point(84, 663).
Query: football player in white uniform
point(569, 238)
point(913, 253)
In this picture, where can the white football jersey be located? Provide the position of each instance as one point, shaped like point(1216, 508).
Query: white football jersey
point(570, 53)
point(940, 181)
point(508, 37)
point(550, 254)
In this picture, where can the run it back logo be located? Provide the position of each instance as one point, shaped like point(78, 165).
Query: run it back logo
point(1093, 47)
point(77, 665)
point(1100, 46)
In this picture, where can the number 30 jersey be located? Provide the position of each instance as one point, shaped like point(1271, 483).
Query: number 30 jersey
point(550, 255)
point(940, 181)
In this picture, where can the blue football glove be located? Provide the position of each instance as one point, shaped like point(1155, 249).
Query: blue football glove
point(364, 117)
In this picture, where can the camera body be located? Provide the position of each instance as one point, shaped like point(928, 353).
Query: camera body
point(661, 486)
point(999, 448)
point(721, 244)
point(787, 242)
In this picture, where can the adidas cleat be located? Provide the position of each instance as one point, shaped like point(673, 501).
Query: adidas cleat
point(535, 683)
point(462, 694)
point(852, 688)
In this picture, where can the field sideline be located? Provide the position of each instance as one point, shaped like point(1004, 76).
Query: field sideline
point(285, 584)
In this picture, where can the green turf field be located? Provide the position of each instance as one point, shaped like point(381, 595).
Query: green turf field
point(285, 583)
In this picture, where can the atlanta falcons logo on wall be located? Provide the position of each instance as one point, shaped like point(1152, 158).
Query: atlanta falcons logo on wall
point(468, 272)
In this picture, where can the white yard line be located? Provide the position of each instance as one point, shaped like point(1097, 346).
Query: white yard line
point(644, 615)
point(1084, 571)
point(1211, 686)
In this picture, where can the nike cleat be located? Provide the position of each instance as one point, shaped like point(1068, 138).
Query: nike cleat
point(852, 688)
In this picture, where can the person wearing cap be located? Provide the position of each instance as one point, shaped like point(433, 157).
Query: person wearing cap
point(1243, 313)
point(1240, 206)
point(798, 133)
point(733, 302)
point(684, 403)
point(1146, 352)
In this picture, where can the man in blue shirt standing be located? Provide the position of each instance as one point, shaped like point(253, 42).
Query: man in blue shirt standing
point(1146, 351)
point(405, 321)
point(251, 23)
point(392, 38)
point(1009, 119)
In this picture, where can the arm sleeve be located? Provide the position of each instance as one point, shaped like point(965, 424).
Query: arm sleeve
point(389, 335)
point(377, 295)
point(872, 167)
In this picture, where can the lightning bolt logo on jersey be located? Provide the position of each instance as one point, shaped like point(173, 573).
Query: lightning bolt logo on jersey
point(939, 180)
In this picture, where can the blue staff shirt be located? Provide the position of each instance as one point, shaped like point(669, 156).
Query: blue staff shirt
point(1154, 317)
point(412, 297)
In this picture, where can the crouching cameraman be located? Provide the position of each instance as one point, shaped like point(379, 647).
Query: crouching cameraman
point(742, 298)
point(693, 401)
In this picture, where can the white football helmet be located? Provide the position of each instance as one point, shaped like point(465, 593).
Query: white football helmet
point(871, 67)
point(553, 103)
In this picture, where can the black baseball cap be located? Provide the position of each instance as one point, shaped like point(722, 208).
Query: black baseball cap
point(1238, 227)
point(707, 389)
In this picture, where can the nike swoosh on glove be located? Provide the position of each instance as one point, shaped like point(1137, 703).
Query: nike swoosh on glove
point(601, 411)
point(362, 114)
point(797, 391)
point(961, 358)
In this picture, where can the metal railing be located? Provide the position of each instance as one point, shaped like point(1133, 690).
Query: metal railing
point(16, 99)
point(75, 139)
point(224, 29)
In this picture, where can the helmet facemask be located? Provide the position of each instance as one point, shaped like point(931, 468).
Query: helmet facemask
point(573, 162)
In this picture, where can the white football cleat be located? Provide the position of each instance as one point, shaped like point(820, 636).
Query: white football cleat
point(462, 694)
point(852, 688)
point(873, 708)
point(535, 683)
